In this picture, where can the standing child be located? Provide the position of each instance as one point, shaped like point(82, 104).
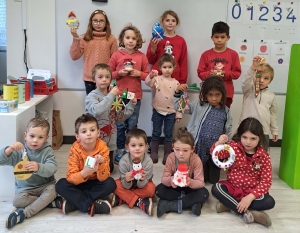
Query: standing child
point(163, 107)
point(99, 104)
point(134, 190)
point(38, 191)
point(97, 45)
point(246, 190)
point(174, 198)
point(263, 106)
point(210, 119)
point(220, 61)
point(129, 78)
point(86, 184)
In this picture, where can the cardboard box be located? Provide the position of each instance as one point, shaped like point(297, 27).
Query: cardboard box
point(90, 162)
point(7, 106)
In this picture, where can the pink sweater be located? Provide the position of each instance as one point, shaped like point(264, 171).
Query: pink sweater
point(97, 50)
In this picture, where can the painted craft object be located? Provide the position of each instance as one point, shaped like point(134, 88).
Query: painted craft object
point(137, 169)
point(183, 102)
point(72, 20)
point(157, 32)
point(181, 175)
point(257, 81)
point(220, 150)
point(20, 171)
point(128, 64)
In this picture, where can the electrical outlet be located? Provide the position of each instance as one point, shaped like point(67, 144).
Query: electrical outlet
point(18, 0)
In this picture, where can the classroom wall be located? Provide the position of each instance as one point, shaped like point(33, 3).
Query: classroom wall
point(42, 55)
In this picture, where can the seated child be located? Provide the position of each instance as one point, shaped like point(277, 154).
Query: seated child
point(249, 179)
point(38, 191)
point(84, 186)
point(174, 198)
point(135, 186)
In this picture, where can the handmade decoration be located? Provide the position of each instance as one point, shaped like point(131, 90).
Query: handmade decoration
point(181, 175)
point(117, 105)
point(20, 171)
point(217, 156)
point(72, 20)
point(137, 169)
point(193, 86)
point(183, 102)
point(90, 162)
point(128, 64)
point(258, 77)
point(157, 32)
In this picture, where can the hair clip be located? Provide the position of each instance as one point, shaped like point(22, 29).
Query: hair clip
point(96, 12)
point(103, 13)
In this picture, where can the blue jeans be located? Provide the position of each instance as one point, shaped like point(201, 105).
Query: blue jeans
point(158, 120)
point(127, 125)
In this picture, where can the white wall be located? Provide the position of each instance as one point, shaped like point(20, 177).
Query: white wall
point(42, 55)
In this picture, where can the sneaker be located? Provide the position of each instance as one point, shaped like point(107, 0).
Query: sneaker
point(145, 204)
point(15, 217)
point(261, 218)
point(100, 207)
point(67, 207)
point(56, 203)
point(220, 207)
point(149, 148)
point(116, 201)
point(119, 155)
point(196, 209)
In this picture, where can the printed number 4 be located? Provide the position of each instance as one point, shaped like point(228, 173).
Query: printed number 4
point(291, 16)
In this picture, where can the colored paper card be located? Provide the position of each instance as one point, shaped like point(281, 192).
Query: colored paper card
point(244, 48)
point(280, 53)
point(249, 12)
point(263, 12)
point(290, 14)
point(276, 10)
point(235, 11)
point(262, 48)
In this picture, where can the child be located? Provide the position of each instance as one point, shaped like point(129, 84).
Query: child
point(84, 186)
point(220, 61)
point(38, 191)
point(130, 39)
point(246, 190)
point(98, 103)
point(172, 44)
point(264, 106)
point(174, 198)
point(135, 192)
point(97, 45)
point(210, 119)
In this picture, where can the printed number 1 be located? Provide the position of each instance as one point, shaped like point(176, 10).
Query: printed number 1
point(289, 16)
point(251, 15)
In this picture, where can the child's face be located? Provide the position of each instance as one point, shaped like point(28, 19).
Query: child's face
point(129, 40)
point(220, 40)
point(136, 147)
point(265, 80)
point(36, 137)
point(167, 69)
point(98, 22)
point(182, 151)
point(102, 79)
point(214, 97)
point(249, 142)
point(87, 133)
point(169, 23)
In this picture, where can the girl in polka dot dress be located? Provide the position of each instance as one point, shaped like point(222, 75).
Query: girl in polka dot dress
point(246, 190)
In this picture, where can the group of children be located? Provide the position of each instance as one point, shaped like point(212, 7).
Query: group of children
point(103, 130)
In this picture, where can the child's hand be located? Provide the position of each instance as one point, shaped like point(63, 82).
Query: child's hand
point(172, 183)
point(123, 73)
point(13, 147)
point(275, 138)
point(32, 166)
point(255, 62)
point(128, 177)
point(188, 181)
point(134, 100)
point(245, 203)
point(74, 32)
point(86, 171)
point(143, 175)
point(114, 90)
point(154, 43)
point(99, 159)
point(222, 139)
point(177, 120)
point(135, 73)
point(181, 87)
point(153, 73)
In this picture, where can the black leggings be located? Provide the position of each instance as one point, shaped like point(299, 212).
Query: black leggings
point(111, 161)
point(219, 191)
point(211, 171)
point(89, 86)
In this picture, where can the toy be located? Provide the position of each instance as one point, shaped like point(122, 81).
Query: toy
point(181, 175)
point(128, 64)
point(183, 102)
point(90, 162)
point(217, 155)
point(137, 169)
point(72, 20)
point(157, 32)
point(20, 172)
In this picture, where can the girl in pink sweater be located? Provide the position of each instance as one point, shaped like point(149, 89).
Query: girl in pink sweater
point(96, 45)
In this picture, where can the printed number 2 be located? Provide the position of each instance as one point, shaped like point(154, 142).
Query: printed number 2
point(267, 11)
point(278, 13)
point(289, 16)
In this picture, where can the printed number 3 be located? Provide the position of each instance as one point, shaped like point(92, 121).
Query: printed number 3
point(279, 14)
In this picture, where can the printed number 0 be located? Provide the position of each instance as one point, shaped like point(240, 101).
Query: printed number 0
point(239, 11)
point(279, 13)
point(267, 11)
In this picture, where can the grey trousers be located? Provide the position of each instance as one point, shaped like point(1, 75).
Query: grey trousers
point(34, 200)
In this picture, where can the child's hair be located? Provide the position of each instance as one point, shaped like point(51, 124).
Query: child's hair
point(39, 122)
point(166, 58)
point(220, 27)
point(212, 83)
point(172, 13)
point(89, 32)
point(85, 118)
point(255, 127)
point(184, 136)
point(136, 133)
point(100, 66)
point(139, 39)
point(266, 68)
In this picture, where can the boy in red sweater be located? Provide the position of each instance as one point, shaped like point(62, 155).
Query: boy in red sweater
point(220, 60)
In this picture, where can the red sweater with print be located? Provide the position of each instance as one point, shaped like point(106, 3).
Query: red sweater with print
point(227, 61)
point(251, 175)
point(133, 84)
point(176, 46)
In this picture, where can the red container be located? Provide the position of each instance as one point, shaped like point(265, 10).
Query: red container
point(27, 89)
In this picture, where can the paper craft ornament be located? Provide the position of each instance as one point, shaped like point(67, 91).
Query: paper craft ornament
point(137, 169)
point(20, 172)
point(217, 155)
point(183, 102)
point(257, 81)
point(117, 105)
point(72, 20)
point(128, 64)
point(193, 86)
point(181, 175)
point(90, 162)
point(157, 32)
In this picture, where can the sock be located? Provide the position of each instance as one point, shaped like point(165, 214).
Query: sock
point(248, 217)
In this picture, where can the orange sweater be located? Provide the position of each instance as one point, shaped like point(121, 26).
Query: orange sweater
point(77, 159)
point(97, 50)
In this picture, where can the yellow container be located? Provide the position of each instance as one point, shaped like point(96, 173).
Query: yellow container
point(10, 92)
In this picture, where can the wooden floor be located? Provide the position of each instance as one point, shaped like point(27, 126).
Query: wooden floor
point(285, 216)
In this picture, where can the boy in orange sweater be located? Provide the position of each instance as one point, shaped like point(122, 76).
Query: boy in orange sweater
point(85, 185)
